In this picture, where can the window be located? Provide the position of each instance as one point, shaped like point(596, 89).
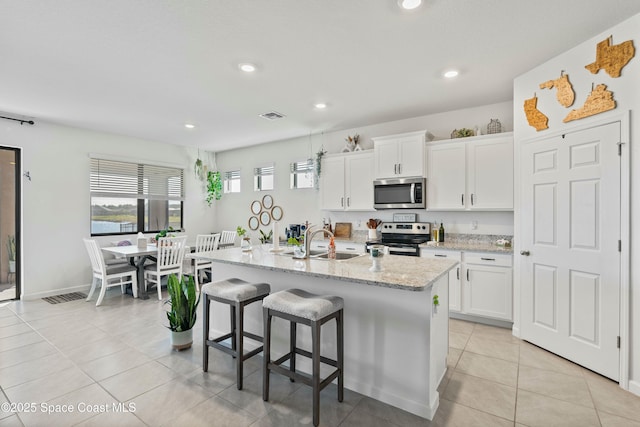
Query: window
point(132, 197)
point(263, 178)
point(302, 174)
point(232, 181)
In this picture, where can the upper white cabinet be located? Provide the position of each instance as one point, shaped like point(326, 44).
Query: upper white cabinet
point(347, 182)
point(399, 156)
point(471, 174)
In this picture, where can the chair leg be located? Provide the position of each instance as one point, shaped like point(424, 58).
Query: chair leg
point(292, 347)
point(266, 353)
point(239, 343)
point(159, 286)
point(232, 322)
point(340, 355)
point(93, 287)
point(315, 370)
point(205, 334)
point(134, 284)
point(103, 290)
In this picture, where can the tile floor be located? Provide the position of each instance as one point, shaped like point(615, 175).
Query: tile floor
point(73, 353)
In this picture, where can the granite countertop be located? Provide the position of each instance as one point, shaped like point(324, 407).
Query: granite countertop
point(399, 272)
point(472, 246)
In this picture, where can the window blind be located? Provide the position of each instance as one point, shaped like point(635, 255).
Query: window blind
point(231, 175)
point(264, 170)
point(302, 167)
point(110, 178)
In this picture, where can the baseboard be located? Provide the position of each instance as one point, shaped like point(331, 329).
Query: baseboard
point(484, 320)
point(516, 332)
point(59, 291)
point(634, 387)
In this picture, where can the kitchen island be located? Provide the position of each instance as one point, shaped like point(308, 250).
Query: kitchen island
point(396, 340)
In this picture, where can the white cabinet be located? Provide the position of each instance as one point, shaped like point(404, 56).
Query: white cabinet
point(400, 156)
point(347, 182)
point(474, 174)
point(481, 285)
point(455, 296)
point(446, 183)
point(488, 286)
point(341, 246)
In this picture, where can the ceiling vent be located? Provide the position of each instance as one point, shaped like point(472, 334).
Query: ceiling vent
point(272, 115)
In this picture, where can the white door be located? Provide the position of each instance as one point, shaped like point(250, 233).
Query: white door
point(411, 156)
point(332, 185)
point(490, 174)
point(359, 182)
point(570, 274)
point(446, 180)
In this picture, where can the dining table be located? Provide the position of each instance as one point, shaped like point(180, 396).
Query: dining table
point(137, 257)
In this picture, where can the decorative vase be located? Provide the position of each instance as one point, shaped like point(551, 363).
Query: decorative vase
point(182, 340)
point(494, 126)
point(245, 244)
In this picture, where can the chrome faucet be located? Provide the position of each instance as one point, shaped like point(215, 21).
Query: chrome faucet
point(308, 236)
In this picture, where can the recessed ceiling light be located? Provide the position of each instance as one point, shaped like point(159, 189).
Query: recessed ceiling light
point(409, 4)
point(320, 105)
point(189, 125)
point(247, 68)
point(451, 74)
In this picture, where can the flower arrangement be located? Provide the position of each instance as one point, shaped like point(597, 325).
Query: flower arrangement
point(353, 139)
point(351, 143)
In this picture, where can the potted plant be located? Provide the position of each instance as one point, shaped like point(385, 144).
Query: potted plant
point(184, 301)
point(245, 243)
point(214, 186)
point(265, 238)
point(11, 251)
point(165, 233)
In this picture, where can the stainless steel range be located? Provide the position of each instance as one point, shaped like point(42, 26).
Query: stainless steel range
point(404, 238)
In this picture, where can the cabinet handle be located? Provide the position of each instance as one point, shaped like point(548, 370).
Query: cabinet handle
point(399, 168)
point(462, 202)
point(350, 249)
point(471, 199)
point(440, 255)
point(348, 201)
point(488, 259)
point(467, 275)
point(342, 201)
point(458, 273)
point(395, 168)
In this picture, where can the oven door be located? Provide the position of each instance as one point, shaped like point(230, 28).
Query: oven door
point(399, 193)
point(400, 249)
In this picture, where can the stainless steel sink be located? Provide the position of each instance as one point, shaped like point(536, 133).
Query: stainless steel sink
point(339, 255)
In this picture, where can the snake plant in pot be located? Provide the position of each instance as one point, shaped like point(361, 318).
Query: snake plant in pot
point(183, 300)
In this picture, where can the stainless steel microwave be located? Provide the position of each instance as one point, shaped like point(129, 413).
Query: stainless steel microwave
point(400, 193)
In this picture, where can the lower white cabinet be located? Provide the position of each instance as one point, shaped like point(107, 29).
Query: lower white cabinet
point(341, 246)
point(481, 285)
point(455, 299)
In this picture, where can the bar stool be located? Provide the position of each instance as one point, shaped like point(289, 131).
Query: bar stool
point(237, 294)
point(298, 306)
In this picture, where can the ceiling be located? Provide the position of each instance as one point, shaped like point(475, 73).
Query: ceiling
point(144, 68)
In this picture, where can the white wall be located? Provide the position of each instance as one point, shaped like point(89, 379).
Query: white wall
point(56, 202)
point(626, 90)
point(303, 205)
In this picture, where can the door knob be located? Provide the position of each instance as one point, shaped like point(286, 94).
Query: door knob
point(525, 253)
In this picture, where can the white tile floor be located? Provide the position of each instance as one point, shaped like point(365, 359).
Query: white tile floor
point(119, 353)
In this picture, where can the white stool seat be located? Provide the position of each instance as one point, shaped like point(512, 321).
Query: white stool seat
point(236, 289)
point(303, 304)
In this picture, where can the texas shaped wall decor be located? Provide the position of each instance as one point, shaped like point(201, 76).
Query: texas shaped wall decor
point(610, 58)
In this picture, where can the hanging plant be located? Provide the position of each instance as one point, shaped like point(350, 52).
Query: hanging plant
point(214, 186)
point(200, 169)
point(319, 155)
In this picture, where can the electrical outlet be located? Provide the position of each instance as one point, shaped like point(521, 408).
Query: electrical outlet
point(474, 225)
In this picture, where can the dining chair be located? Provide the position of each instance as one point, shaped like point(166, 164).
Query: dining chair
point(109, 275)
point(169, 261)
point(228, 238)
point(204, 243)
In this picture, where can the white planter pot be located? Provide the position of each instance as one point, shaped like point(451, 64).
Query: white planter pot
point(12, 266)
point(182, 340)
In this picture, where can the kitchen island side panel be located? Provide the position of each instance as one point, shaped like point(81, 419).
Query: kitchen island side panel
point(395, 344)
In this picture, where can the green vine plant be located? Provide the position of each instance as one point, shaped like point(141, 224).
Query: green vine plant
point(319, 156)
point(214, 186)
point(436, 301)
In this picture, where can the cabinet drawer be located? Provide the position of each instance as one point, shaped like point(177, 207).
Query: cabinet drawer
point(350, 247)
point(434, 253)
point(500, 260)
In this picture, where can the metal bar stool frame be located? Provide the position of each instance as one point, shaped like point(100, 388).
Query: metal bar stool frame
point(314, 380)
point(236, 309)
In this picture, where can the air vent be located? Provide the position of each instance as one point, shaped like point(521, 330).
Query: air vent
point(272, 115)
